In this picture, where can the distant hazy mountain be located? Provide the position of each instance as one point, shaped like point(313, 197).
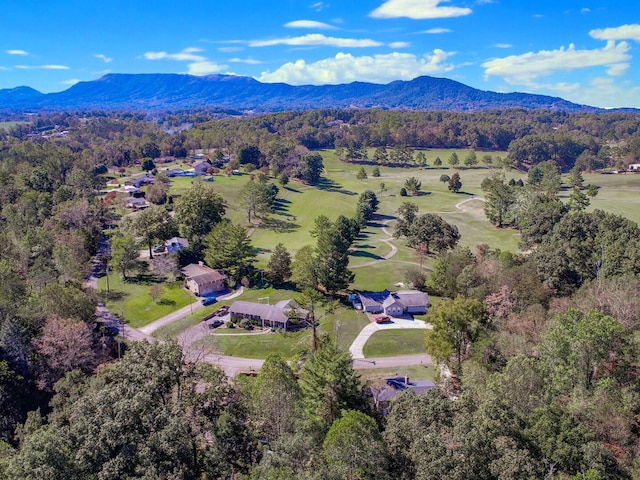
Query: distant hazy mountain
point(173, 91)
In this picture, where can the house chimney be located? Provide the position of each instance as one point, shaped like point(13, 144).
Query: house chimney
point(200, 263)
point(406, 380)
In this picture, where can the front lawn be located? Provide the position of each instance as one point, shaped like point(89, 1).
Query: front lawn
point(131, 299)
point(389, 343)
point(414, 372)
point(258, 345)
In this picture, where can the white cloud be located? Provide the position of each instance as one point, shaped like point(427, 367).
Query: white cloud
point(205, 67)
point(200, 65)
point(188, 54)
point(319, 6)
point(103, 57)
point(598, 92)
point(248, 61)
point(417, 10)
point(503, 45)
point(345, 68)
point(230, 49)
point(624, 32)
point(434, 31)
point(71, 81)
point(522, 69)
point(42, 67)
point(585, 10)
point(22, 53)
point(399, 44)
point(316, 39)
point(309, 24)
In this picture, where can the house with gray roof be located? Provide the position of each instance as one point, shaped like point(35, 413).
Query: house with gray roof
point(395, 304)
point(285, 314)
point(394, 387)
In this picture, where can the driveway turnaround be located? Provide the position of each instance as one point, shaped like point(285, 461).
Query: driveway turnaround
point(356, 348)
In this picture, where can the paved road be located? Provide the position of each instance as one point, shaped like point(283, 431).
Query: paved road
point(233, 365)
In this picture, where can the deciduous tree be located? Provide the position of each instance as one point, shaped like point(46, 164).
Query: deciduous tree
point(198, 210)
point(454, 183)
point(456, 325)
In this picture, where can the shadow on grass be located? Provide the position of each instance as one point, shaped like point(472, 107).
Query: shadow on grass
point(166, 301)
point(144, 279)
point(113, 295)
point(382, 217)
point(362, 254)
point(329, 185)
point(279, 226)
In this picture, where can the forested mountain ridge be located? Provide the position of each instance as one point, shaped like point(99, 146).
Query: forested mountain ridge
point(174, 91)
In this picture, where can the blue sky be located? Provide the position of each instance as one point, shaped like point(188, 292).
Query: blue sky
point(584, 51)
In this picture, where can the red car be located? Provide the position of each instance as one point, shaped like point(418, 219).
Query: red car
point(381, 319)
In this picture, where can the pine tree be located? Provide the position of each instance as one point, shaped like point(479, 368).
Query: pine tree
point(279, 267)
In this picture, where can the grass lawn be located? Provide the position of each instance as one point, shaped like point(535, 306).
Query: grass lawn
point(298, 207)
point(285, 344)
point(388, 343)
point(259, 345)
point(8, 125)
point(414, 372)
point(131, 299)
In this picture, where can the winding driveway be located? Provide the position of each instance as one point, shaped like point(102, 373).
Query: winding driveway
point(357, 347)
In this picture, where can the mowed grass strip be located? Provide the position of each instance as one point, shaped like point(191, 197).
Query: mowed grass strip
point(414, 372)
point(258, 345)
point(389, 343)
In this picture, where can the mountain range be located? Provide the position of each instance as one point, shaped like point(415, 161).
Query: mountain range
point(148, 92)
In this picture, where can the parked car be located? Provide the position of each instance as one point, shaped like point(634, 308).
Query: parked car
point(381, 319)
point(159, 248)
point(208, 300)
point(215, 324)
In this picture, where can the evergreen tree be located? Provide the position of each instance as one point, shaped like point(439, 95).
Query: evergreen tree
point(329, 385)
point(229, 249)
point(453, 160)
point(279, 266)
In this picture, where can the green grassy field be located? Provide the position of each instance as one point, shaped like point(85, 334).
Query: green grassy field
point(8, 125)
point(131, 299)
point(294, 218)
point(387, 343)
point(414, 372)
